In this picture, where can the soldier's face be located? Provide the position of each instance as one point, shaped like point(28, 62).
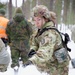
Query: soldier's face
point(39, 21)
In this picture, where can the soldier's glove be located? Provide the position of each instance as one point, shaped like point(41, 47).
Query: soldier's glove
point(5, 41)
point(31, 53)
point(27, 63)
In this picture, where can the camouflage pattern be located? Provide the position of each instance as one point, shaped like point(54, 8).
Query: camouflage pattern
point(4, 57)
point(19, 32)
point(34, 29)
point(45, 46)
point(41, 10)
point(53, 17)
point(2, 11)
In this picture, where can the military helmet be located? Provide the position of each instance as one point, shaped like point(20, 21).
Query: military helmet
point(18, 10)
point(2, 11)
point(40, 10)
point(53, 14)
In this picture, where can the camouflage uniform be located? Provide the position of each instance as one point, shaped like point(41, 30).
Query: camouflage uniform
point(4, 57)
point(45, 46)
point(19, 31)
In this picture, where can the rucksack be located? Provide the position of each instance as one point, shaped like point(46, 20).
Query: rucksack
point(64, 41)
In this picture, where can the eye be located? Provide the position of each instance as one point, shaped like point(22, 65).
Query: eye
point(39, 19)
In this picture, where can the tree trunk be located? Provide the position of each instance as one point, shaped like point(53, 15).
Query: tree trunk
point(22, 4)
point(51, 5)
point(16, 3)
point(10, 9)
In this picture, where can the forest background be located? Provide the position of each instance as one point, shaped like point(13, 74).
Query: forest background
point(65, 9)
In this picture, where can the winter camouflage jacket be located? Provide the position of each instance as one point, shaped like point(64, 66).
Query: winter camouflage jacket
point(45, 45)
point(19, 32)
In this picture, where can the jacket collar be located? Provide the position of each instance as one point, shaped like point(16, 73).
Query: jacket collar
point(48, 25)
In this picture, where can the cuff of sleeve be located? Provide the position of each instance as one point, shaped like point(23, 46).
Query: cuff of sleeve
point(33, 58)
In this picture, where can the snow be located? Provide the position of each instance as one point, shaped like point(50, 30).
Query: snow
point(31, 69)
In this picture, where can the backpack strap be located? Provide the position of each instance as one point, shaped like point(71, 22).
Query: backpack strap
point(63, 42)
point(45, 29)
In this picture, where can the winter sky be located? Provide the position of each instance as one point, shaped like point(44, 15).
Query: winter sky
point(19, 2)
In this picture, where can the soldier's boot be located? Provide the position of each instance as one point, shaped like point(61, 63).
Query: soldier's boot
point(15, 66)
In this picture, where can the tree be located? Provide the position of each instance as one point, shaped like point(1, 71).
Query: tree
point(22, 4)
point(2, 5)
point(10, 9)
point(51, 4)
point(16, 3)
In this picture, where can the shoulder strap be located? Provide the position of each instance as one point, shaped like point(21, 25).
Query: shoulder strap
point(45, 29)
point(63, 42)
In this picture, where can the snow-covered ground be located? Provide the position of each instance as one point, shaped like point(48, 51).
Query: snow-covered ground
point(31, 69)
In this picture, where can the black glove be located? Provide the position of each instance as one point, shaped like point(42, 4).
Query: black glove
point(5, 41)
point(32, 52)
point(27, 63)
point(67, 38)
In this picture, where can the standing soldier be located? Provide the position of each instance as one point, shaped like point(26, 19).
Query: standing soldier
point(19, 31)
point(47, 45)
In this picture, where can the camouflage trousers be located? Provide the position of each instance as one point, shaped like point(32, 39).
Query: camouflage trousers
point(59, 71)
point(54, 68)
point(56, 71)
point(15, 54)
point(3, 67)
point(4, 59)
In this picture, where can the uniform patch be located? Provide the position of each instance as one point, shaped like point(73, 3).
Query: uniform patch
point(45, 40)
point(42, 41)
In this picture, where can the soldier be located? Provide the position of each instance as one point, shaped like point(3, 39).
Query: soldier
point(4, 57)
point(47, 44)
point(19, 31)
point(3, 26)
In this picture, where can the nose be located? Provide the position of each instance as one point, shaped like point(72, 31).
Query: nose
point(36, 22)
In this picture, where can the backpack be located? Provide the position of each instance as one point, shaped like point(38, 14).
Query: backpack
point(62, 53)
